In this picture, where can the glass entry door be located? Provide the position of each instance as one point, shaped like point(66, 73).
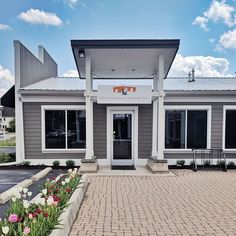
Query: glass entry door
point(122, 138)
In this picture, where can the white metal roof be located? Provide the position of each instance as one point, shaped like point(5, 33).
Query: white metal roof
point(170, 84)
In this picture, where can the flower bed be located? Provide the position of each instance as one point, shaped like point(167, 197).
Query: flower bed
point(40, 216)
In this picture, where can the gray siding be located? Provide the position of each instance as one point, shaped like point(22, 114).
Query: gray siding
point(100, 131)
point(33, 69)
point(32, 134)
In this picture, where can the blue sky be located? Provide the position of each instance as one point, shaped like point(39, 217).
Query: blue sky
point(206, 28)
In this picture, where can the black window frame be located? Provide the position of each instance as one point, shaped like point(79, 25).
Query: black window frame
point(186, 110)
point(61, 108)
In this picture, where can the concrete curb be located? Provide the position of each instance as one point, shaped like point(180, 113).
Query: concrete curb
point(41, 174)
point(7, 195)
point(69, 214)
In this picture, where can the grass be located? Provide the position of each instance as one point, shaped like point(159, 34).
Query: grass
point(8, 142)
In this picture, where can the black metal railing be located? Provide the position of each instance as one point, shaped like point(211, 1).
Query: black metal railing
point(209, 159)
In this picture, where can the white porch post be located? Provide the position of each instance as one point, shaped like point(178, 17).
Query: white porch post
point(154, 119)
point(161, 111)
point(89, 110)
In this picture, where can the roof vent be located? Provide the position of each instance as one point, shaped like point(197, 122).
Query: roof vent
point(191, 76)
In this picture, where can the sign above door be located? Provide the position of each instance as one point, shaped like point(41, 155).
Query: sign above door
point(124, 94)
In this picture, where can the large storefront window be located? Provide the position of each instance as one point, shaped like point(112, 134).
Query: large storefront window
point(186, 129)
point(64, 129)
point(230, 129)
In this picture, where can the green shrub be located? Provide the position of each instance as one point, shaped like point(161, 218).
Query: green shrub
point(180, 162)
point(12, 156)
point(56, 163)
point(8, 142)
point(206, 163)
point(26, 163)
point(4, 157)
point(192, 163)
point(231, 164)
point(221, 163)
point(70, 163)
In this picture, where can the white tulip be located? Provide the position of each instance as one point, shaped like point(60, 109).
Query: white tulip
point(20, 189)
point(63, 183)
point(45, 191)
point(75, 169)
point(67, 180)
point(25, 190)
point(50, 201)
point(29, 194)
point(70, 170)
point(13, 199)
point(5, 229)
point(26, 204)
point(18, 196)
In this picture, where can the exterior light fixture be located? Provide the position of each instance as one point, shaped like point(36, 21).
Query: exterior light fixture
point(113, 70)
point(81, 53)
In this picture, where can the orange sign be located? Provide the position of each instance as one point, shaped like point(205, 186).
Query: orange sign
point(124, 89)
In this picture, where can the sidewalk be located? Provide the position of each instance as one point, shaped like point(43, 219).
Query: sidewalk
point(189, 203)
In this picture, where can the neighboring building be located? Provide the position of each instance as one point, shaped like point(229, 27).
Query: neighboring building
point(123, 108)
point(7, 114)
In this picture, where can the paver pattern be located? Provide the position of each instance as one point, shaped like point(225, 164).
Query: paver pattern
point(201, 203)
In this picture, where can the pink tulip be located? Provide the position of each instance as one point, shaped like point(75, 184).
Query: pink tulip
point(26, 230)
point(13, 218)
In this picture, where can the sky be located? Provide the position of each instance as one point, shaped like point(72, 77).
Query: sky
point(206, 29)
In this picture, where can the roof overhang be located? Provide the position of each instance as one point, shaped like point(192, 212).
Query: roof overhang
point(8, 99)
point(124, 58)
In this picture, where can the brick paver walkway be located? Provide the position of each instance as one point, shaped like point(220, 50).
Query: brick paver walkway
point(202, 203)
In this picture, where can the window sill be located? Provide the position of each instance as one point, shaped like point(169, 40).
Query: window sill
point(230, 150)
point(63, 150)
point(178, 151)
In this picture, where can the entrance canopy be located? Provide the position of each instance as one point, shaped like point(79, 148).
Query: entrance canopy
point(132, 59)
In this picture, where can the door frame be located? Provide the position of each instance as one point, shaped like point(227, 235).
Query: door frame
point(122, 109)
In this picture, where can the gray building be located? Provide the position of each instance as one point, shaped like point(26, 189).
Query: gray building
point(122, 109)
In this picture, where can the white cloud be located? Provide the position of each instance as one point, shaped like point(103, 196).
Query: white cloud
point(212, 40)
point(204, 66)
point(6, 80)
point(202, 22)
point(36, 17)
point(71, 73)
point(228, 39)
point(72, 3)
point(4, 27)
point(219, 11)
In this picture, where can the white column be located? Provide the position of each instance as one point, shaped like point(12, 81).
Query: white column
point(89, 110)
point(161, 111)
point(20, 145)
point(154, 119)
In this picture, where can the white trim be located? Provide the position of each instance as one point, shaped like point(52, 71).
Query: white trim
point(20, 143)
point(63, 108)
point(225, 108)
point(45, 98)
point(192, 107)
point(199, 99)
point(123, 109)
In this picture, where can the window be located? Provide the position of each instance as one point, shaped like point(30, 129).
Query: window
point(63, 128)
point(186, 129)
point(230, 129)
